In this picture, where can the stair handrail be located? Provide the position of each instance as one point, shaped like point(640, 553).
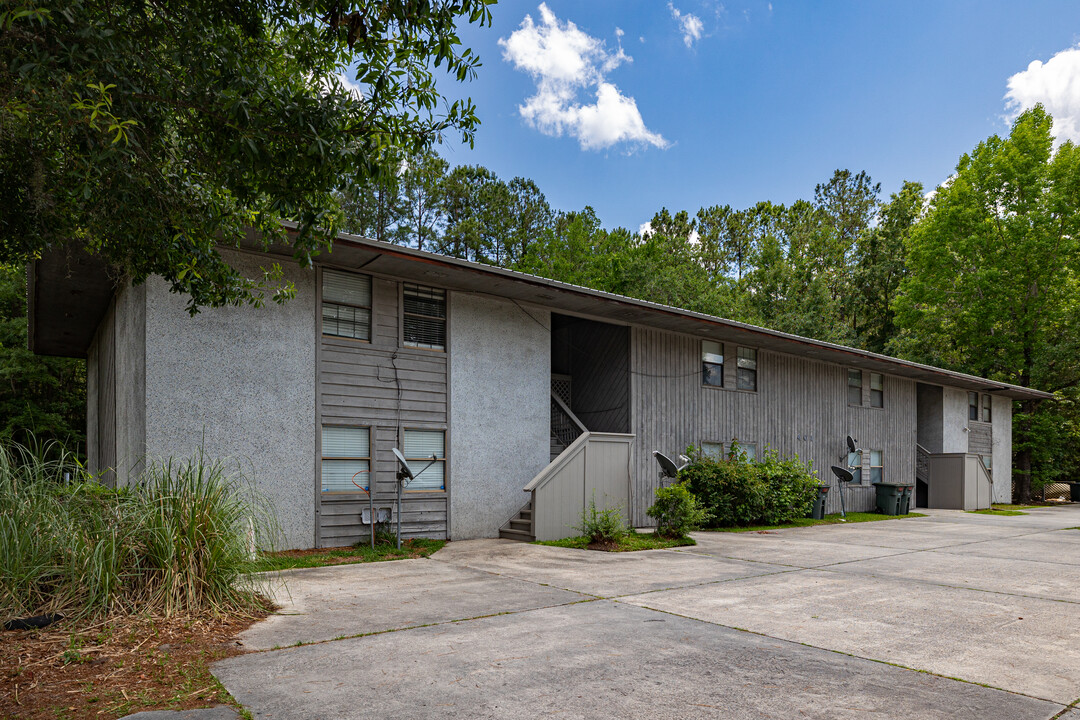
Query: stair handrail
point(569, 413)
point(557, 464)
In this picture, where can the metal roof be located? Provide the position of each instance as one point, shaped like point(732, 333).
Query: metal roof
point(66, 304)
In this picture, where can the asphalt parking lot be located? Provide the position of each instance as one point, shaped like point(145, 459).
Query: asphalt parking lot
point(955, 615)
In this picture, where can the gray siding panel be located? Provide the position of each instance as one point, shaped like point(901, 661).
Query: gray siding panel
point(387, 388)
point(798, 409)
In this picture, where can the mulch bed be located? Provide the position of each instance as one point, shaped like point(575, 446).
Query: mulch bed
point(113, 668)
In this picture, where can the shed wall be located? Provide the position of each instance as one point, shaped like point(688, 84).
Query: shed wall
point(798, 408)
point(239, 382)
point(500, 410)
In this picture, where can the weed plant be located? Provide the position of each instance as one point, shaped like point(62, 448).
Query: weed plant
point(603, 527)
point(177, 541)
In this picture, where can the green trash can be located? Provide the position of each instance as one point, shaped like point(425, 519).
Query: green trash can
point(905, 499)
point(818, 513)
point(889, 496)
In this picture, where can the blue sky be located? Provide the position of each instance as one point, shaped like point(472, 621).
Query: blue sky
point(746, 101)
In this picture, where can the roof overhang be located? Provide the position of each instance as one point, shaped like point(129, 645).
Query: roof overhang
point(352, 252)
point(67, 294)
point(70, 292)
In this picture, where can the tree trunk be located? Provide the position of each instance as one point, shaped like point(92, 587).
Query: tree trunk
point(1023, 477)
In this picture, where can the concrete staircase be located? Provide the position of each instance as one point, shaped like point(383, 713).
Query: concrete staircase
point(519, 527)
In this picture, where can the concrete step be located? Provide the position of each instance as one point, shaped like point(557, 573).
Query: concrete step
point(519, 524)
point(525, 515)
point(519, 535)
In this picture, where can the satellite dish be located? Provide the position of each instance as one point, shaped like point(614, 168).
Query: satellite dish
point(850, 444)
point(842, 474)
point(403, 465)
point(667, 465)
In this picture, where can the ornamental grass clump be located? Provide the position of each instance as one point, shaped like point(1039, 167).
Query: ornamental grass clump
point(736, 491)
point(178, 541)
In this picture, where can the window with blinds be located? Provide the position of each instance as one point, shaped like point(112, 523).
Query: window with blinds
point(346, 459)
point(418, 447)
point(877, 466)
point(346, 305)
point(746, 375)
point(877, 390)
point(854, 387)
point(712, 363)
point(854, 461)
point(424, 322)
point(713, 450)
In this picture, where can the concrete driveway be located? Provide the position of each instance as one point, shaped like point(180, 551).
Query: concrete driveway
point(954, 615)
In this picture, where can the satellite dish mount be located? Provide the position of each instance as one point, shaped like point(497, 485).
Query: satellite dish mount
point(668, 469)
point(843, 475)
point(405, 475)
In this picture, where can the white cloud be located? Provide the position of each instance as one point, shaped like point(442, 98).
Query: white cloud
point(563, 62)
point(690, 25)
point(645, 228)
point(1054, 83)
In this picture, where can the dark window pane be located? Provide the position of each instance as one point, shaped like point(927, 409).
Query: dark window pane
point(973, 406)
point(424, 323)
point(986, 408)
point(346, 321)
point(712, 374)
point(746, 379)
point(854, 387)
point(877, 398)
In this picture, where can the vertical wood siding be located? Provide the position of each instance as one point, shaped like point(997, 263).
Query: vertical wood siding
point(800, 407)
point(387, 388)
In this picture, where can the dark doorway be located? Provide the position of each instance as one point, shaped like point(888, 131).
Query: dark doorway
point(595, 357)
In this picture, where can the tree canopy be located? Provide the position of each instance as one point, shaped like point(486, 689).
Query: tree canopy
point(992, 284)
point(152, 132)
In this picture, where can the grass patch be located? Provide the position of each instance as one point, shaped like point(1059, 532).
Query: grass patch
point(997, 511)
point(1009, 506)
point(292, 559)
point(852, 517)
point(629, 542)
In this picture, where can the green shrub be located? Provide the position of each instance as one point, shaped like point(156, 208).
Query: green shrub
point(737, 492)
point(179, 541)
point(676, 511)
point(602, 526)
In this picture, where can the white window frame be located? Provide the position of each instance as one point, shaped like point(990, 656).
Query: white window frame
point(417, 463)
point(359, 458)
point(880, 467)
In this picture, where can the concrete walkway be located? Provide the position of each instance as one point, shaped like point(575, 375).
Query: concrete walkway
point(827, 622)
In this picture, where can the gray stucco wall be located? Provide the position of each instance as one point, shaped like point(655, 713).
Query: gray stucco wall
point(240, 381)
point(130, 318)
point(1002, 452)
point(500, 379)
